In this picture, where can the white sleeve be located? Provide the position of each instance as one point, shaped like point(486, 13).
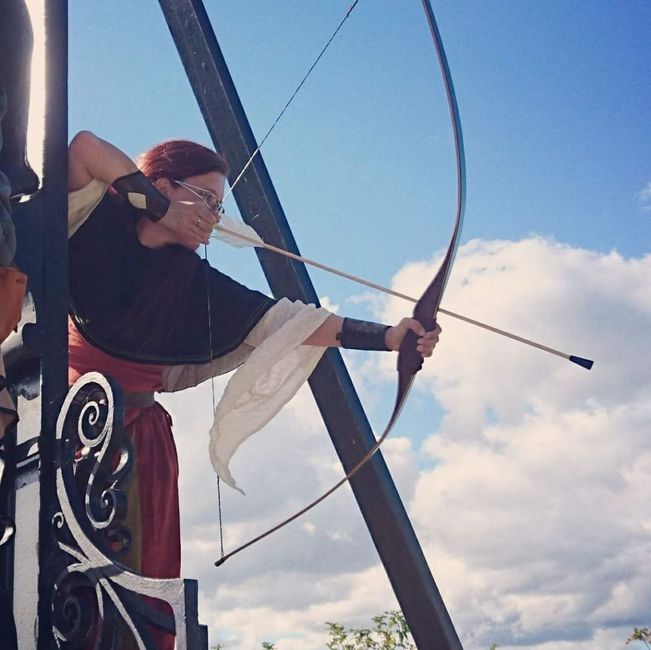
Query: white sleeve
point(82, 202)
point(274, 371)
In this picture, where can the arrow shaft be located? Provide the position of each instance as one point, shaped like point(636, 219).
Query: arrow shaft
point(378, 287)
point(397, 294)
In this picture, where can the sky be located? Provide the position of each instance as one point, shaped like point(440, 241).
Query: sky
point(527, 478)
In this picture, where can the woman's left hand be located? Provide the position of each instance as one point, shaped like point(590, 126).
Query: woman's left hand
point(426, 343)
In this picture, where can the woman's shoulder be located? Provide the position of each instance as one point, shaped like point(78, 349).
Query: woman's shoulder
point(82, 202)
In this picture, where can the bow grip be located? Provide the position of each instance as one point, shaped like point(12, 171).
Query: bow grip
point(409, 358)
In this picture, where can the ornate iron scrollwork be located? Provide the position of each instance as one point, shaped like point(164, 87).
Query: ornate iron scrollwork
point(97, 601)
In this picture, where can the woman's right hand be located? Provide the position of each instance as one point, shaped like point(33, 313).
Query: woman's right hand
point(189, 223)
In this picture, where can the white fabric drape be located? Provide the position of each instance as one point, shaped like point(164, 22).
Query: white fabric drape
point(270, 377)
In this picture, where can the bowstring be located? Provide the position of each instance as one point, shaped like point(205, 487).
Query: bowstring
point(289, 101)
point(214, 401)
point(226, 195)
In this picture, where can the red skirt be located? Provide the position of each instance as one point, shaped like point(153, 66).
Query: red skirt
point(152, 485)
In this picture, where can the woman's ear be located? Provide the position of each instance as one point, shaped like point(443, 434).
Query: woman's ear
point(163, 185)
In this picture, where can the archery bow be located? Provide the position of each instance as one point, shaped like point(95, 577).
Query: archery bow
point(410, 360)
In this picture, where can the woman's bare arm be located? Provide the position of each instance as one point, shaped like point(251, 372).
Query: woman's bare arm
point(91, 157)
point(326, 334)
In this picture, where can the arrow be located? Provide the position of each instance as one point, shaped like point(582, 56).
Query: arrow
point(238, 234)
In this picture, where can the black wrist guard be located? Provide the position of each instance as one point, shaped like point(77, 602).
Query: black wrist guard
point(362, 335)
point(142, 194)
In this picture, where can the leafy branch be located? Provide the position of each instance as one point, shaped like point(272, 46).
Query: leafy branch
point(641, 634)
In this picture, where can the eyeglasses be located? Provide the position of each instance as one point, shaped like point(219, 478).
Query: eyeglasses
point(208, 197)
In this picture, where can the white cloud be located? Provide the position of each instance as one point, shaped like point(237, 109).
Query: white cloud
point(534, 515)
point(644, 197)
point(326, 303)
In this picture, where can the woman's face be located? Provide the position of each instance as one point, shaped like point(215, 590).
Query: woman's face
point(207, 187)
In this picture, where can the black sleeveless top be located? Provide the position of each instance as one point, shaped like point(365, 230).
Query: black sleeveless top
point(119, 298)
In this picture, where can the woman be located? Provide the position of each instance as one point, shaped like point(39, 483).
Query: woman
point(146, 310)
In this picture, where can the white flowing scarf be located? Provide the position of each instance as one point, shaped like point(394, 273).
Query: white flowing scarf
point(270, 377)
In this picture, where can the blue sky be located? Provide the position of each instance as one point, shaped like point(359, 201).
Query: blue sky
point(553, 98)
point(555, 105)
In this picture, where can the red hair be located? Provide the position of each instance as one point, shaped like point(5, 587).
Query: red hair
point(179, 159)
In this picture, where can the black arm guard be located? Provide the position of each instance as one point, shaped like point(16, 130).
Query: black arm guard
point(142, 194)
point(362, 335)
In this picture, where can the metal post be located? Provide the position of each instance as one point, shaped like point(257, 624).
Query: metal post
point(52, 308)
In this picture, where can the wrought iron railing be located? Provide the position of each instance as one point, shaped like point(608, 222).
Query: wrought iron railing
point(97, 600)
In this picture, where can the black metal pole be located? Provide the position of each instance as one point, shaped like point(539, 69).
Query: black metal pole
point(374, 490)
point(52, 307)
